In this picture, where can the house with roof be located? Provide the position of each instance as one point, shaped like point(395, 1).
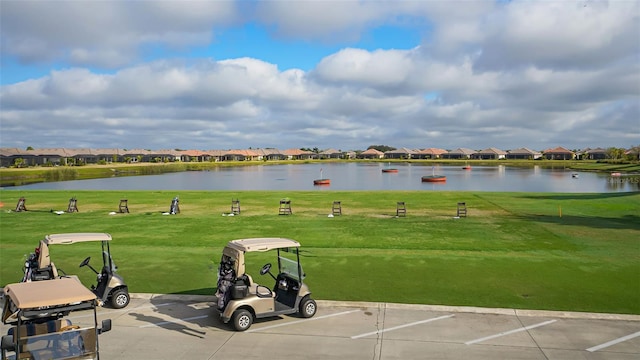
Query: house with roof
point(349, 154)
point(240, 155)
point(298, 154)
point(268, 154)
point(14, 156)
point(402, 153)
point(108, 155)
point(194, 156)
point(143, 155)
point(371, 154)
point(633, 153)
point(459, 153)
point(595, 154)
point(524, 154)
point(430, 153)
point(81, 156)
point(330, 154)
point(52, 156)
point(490, 154)
point(164, 155)
point(558, 153)
point(215, 155)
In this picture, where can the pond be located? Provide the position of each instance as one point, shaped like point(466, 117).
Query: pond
point(361, 176)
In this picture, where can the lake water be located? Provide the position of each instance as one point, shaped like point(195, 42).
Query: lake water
point(360, 176)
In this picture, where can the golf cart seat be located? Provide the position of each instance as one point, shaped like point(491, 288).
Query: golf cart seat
point(46, 269)
point(50, 326)
point(53, 270)
point(250, 284)
point(44, 259)
point(244, 286)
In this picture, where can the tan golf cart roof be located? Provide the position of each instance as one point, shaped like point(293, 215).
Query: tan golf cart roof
point(54, 292)
point(262, 244)
point(75, 238)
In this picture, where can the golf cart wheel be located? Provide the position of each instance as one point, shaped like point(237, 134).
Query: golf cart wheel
point(119, 299)
point(308, 307)
point(242, 320)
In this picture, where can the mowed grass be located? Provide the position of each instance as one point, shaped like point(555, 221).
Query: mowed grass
point(573, 252)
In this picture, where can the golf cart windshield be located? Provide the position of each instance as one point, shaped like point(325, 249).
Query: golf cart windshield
point(290, 267)
point(40, 327)
point(69, 344)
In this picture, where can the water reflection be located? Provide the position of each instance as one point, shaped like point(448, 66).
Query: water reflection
point(361, 176)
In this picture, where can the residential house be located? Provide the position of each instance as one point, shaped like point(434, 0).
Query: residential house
point(52, 156)
point(330, 154)
point(215, 155)
point(241, 155)
point(271, 154)
point(558, 153)
point(459, 153)
point(166, 155)
point(194, 156)
point(371, 154)
point(298, 154)
point(81, 156)
point(633, 153)
point(402, 153)
point(524, 153)
point(595, 154)
point(142, 155)
point(14, 156)
point(490, 154)
point(349, 154)
point(430, 153)
point(108, 155)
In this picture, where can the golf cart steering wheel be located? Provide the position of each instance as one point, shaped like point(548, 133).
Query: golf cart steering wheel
point(85, 262)
point(265, 269)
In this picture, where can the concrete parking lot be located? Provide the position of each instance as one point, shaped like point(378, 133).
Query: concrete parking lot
point(187, 327)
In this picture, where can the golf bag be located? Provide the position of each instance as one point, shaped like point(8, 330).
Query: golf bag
point(174, 209)
point(32, 270)
point(30, 266)
point(226, 277)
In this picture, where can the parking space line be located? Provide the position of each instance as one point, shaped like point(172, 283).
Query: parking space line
point(174, 322)
point(401, 326)
point(509, 332)
point(613, 342)
point(299, 321)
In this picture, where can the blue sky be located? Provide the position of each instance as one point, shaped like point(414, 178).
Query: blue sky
point(327, 74)
point(249, 40)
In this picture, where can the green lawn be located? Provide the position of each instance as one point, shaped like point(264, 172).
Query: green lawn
point(578, 252)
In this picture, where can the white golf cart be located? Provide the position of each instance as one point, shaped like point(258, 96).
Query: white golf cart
point(241, 300)
point(38, 310)
point(110, 287)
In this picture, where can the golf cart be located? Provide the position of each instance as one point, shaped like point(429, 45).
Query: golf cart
point(241, 300)
point(37, 312)
point(110, 287)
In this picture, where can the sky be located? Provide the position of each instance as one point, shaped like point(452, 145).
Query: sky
point(216, 75)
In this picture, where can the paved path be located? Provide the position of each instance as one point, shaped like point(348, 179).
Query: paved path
point(187, 327)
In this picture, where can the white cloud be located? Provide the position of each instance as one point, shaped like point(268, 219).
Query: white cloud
point(559, 35)
point(379, 69)
point(322, 20)
point(533, 74)
point(106, 33)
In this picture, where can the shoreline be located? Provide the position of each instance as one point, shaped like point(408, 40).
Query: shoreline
point(10, 177)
